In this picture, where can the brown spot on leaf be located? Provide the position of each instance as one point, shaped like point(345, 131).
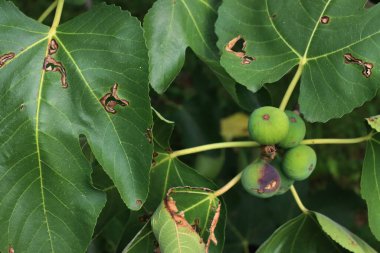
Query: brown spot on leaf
point(367, 66)
point(237, 47)
point(214, 222)
point(139, 202)
point(6, 57)
point(53, 47)
point(325, 20)
point(149, 135)
point(50, 64)
point(111, 99)
point(11, 249)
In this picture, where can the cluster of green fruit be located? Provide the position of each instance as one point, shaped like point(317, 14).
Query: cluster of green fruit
point(270, 126)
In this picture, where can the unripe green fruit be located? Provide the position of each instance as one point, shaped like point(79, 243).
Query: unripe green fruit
point(261, 179)
point(285, 183)
point(296, 133)
point(268, 125)
point(299, 162)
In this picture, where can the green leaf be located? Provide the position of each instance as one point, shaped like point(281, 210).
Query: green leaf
point(342, 236)
point(47, 203)
point(142, 242)
point(316, 34)
point(374, 122)
point(370, 183)
point(186, 219)
point(301, 234)
point(173, 26)
point(313, 232)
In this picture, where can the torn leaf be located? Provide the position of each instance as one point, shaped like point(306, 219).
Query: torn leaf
point(111, 99)
point(51, 64)
point(6, 57)
point(374, 122)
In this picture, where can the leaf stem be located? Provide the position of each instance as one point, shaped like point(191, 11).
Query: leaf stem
point(220, 145)
point(292, 85)
point(252, 144)
point(228, 186)
point(337, 141)
point(57, 18)
point(298, 200)
point(47, 12)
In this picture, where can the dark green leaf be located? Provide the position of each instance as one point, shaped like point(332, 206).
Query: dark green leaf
point(316, 34)
point(48, 204)
point(301, 234)
point(173, 26)
point(370, 183)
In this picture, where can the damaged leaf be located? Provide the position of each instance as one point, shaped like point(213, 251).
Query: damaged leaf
point(170, 172)
point(173, 26)
point(374, 122)
point(183, 209)
point(316, 35)
point(48, 203)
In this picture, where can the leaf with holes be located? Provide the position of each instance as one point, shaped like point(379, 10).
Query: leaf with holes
point(334, 43)
point(173, 26)
point(186, 220)
point(370, 183)
point(305, 234)
point(55, 87)
point(168, 172)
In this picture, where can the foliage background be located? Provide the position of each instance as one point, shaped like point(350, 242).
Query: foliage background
point(333, 189)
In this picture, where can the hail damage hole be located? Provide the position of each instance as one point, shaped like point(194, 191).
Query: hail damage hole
point(53, 47)
point(11, 249)
point(139, 202)
point(237, 47)
point(325, 20)
point(52, 65)
point(22, 107)
point(214, 222)
point(111, 99)
point(367, 66)
point(6, 57)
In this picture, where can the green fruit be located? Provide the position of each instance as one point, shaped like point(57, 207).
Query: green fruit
point(261, 179)
point(299, 162)
point(296, 133)
point(268, 125)
point(285, 183)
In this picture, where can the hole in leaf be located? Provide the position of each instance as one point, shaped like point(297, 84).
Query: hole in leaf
point(237, 47)
point(111, 99)
point(325, 20)
point(52, 65)
point(367, 66)
point(6, 57)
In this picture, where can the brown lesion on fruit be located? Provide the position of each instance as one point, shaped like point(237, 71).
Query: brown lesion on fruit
point(325, 20)
point(269, 180)
point(367, 66)
point(50, 64)
point(237, 46)
point(5, 58)
point(111, 99)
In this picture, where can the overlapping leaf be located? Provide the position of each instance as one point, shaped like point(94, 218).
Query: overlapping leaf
point(335, 41)
point(47, 203)
point(370, 183)
point(168, 172)
point(313, 232)
point(173, 26)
